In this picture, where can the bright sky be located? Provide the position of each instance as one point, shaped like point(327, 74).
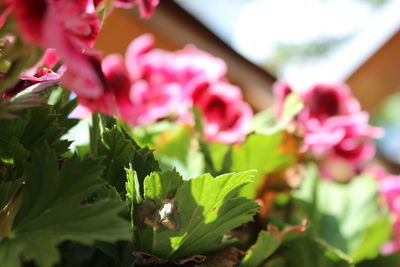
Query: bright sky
point(254, 27)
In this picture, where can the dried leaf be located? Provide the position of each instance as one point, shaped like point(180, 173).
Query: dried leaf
point(149, 259)
point(227, 257)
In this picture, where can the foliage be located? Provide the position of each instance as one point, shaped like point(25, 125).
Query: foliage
point(343, 217)
point(179, 219)
point(212, 191)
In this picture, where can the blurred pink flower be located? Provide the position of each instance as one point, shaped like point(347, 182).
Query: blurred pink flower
point(281, 91)
point(145, 62)
point(49, 60)
point(146, 7)
point(226, 115)
point(116, 86)
point(81, 112)
point(155, 84)
point(70, 27)
point(162, 80)
point(334, 126)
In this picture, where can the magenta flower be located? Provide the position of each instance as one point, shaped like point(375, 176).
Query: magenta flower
point(226, 115)
point(116, 86)
point(49, 60)
point(154, 84)
point(162, 81)
point(182, 66)
point(156, 91)
point(335, 128)
point(70, 27)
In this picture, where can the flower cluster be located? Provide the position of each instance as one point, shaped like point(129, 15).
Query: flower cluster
point(70, 27)
point(335, 129)
point(153, 84)
point(147, 86)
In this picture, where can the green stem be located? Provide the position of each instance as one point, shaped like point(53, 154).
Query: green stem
point(94, 134)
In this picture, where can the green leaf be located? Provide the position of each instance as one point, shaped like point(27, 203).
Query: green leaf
point(221, 156)
point(388, 112)
point(174, 144)
point(159, 186)
point(133, 194)
point(200, 213)
point(372, 239)
point(309, 252)
point(203, 144)
point(176, 148)
point(265, 123)
point(52, 211)
point(119, 151)
point(33, 129)
point(261, 153)
point(386, 261)
point(147, 135)
point(266, 244)
point(132, 187)
point(104, 9)
point(344, 214)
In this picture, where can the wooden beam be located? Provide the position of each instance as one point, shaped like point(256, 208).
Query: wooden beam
point(379, 76)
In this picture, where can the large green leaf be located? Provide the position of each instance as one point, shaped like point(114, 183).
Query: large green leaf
point(344, 215)
point(52, 211)
point(199, 213)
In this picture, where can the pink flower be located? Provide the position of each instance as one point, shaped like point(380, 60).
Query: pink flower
point(389, 187)
point(49, 60)
point(146, 7)
point(334, 126)
point(116, 86)
point(226, 115)
point(162, 80)
point(145, 62)
point(69, 26)
point(154, 84)
point(324, 101)
point(190, 62)
point(25, 81)
point(81, 112)
point(281, 91)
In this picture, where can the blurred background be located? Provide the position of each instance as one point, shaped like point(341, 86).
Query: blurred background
point(300, 41)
